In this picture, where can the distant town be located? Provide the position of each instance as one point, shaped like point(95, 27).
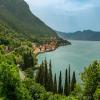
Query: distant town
point(50, 46)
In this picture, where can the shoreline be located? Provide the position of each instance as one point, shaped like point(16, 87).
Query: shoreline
point(52, 45)
point(51, 50)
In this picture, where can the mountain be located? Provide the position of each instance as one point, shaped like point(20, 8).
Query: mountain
point(81, 35)
point(16, 15)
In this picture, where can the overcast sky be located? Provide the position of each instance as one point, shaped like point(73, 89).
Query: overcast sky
point(68, 15)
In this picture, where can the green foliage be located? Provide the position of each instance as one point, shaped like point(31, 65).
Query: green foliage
point(60, 89)
point(91, 79)
point(45, 74)
point(35, 89)
point(73, 82)
point(78, 93)
point(55, 85)
point(50, 80)
point(66, 84)
point(18, 52)
point(97, 94)
point(69, 81)
point(17, 15)
point(2, 47)
point(10, 85)
point(28, 60)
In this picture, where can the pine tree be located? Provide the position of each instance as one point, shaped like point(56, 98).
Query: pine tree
point(66, 84)
point(60, 84)
point(73, 82)
point(55, 85)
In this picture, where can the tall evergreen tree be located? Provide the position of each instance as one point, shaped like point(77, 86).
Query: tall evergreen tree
point(73, 82)
point(69, 80)
point(55, 85)
point(38, 80)
point(40, 74)
point(60, 84)
point(69, 73)
point(28, 59)
point(62, 90)
point(46, 74)
point(50, 80)
point(66, 84)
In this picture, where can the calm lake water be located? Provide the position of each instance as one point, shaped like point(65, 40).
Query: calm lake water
point(79, 55)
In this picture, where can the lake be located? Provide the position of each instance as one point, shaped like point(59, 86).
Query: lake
point(79, 55)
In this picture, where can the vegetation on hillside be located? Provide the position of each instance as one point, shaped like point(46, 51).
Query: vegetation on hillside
point(21, 77)
point(44, 77)
point(17, 16)
point(19, 81)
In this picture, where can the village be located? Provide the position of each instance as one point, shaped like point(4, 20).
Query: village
point(50, 46)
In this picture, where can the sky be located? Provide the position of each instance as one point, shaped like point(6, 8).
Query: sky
point(68, 15)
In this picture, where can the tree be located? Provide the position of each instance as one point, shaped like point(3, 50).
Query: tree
point(69, 80)
point(66, 84)
point(91, 79)
point(60, 84)
point(28, 59)
point(45, 74)
point(40, 74)
point(73, 82)
point(11, 86)
point(50, 80)
point(55, 85)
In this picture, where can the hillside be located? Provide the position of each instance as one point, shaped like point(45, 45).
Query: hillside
point(82, 35)
point(16, 15)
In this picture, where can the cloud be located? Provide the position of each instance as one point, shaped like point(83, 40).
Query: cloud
point(68, 5)
point(68, 15)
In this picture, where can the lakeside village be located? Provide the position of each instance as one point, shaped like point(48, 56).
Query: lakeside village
point(50, 46)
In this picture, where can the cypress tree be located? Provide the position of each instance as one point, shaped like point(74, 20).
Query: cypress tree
point(41, 74)
point(69, 73)
point(55, 85)
point(28, 59)
point(66, 84)
point(69, 80)
point(73, 82)
point(60, 84)
point(45, 74)
point(25, 60)
point(38, 75)
point(62, 90)
point(50, 80)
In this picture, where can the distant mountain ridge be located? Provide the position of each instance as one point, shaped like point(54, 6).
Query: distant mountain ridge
point(81, 35)
point(16, 15)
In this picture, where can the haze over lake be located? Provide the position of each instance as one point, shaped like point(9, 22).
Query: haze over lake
point(78, 55)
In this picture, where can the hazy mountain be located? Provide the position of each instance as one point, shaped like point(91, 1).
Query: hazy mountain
point(82, 35)
point(16, 15)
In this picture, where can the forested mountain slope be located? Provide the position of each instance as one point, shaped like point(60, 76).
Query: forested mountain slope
point(16, 15)
point(82, 35)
